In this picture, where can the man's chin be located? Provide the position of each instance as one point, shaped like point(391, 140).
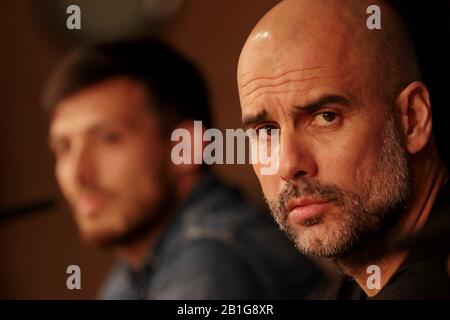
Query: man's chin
point(98, 240)
point(314, 239)
point(315, 247)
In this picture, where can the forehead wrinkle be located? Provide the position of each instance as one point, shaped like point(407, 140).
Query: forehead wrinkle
point(275, 92)
point(262, 87)
point(271, 89)
point(246, 74)
point(291, 94)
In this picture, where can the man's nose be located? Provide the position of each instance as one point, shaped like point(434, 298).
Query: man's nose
point(296, 159)
point(83, 166)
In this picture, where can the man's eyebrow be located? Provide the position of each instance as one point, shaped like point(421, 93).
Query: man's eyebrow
point(95, 128)
point(322, 101)
point(248, 121)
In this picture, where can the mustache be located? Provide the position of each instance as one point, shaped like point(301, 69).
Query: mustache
point(311, 189)
point(93, 191)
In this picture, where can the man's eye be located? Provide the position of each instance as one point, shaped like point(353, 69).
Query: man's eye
point(61, 148)
point(325, 119)
point(110, 137)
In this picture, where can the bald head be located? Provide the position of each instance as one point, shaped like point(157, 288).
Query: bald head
point(311, 34)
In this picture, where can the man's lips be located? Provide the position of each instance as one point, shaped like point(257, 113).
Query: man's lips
point(305, 208)
point(89, 205)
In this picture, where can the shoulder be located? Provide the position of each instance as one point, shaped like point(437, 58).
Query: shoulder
point(117, 284)
point(204, 269)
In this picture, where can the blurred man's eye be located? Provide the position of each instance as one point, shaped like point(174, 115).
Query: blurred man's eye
point(325, 119)
point(110, 137)
point(60, 148)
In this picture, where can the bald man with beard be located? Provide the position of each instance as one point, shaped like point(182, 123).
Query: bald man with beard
point(358, 166)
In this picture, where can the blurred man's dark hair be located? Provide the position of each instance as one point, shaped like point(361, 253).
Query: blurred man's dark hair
point(171, 79)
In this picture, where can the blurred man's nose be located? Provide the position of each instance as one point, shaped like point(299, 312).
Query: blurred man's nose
point(296, 159)
point(82, 165)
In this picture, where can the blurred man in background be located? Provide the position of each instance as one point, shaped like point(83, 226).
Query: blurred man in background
point(358, 163)
point(178, 231)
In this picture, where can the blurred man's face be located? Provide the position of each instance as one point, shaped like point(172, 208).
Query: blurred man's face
point(341, 168)
point(111, 161)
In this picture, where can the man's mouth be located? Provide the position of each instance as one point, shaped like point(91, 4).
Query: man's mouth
point(90, 205)
point(302, 209)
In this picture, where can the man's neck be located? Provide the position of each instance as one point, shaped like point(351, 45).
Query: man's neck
point(429, 175)
point(135, 253)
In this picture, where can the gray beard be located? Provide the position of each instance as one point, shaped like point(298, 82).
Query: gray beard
point(366, 214)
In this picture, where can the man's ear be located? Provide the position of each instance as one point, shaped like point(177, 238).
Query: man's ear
point(190, 145)
point(414, 108)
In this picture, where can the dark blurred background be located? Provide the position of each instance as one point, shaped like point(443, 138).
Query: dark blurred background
point(36, 248)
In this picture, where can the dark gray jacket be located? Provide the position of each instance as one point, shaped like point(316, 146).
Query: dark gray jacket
point(217, 247)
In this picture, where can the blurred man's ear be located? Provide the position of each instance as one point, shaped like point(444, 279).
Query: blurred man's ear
point(191, 140)
point(413, 105)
